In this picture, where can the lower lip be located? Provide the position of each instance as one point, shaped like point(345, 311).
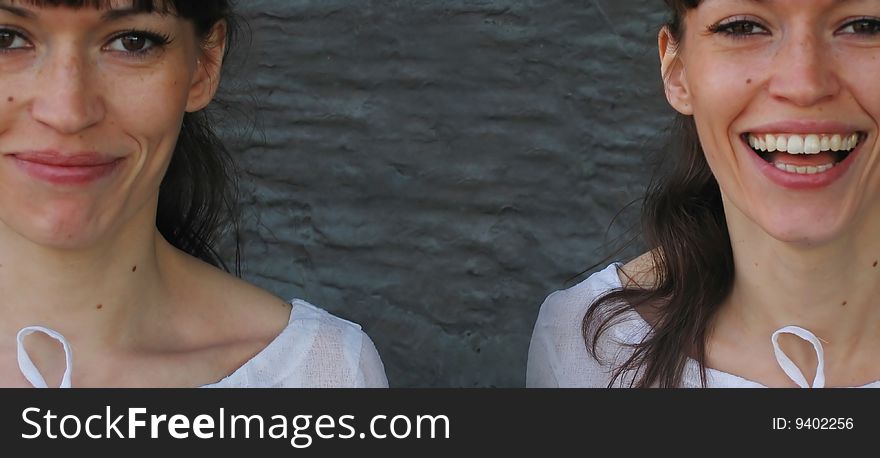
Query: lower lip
point(803, 181)
point(67, 175)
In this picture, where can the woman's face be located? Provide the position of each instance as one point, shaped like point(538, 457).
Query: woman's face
point(786, 100)
point(91, 104)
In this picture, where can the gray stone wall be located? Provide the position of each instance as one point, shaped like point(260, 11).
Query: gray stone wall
point(433, 169)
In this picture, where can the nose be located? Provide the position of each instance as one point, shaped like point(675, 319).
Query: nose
point(67, 100)
point(804, 71)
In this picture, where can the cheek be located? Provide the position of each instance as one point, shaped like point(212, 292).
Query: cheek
point(146, 115)
point(862, 95)
point(862, 82)
point(153, 97)
point(722, 90)
point(148, 109)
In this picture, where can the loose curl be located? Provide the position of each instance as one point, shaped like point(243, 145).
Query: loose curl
point(692, 261)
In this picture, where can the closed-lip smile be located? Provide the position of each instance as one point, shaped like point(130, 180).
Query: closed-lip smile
point(66, 169)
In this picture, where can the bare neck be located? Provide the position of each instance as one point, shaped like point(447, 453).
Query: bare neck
point(830, 289)
point(94, 296)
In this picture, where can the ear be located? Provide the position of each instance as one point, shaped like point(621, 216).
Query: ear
point(674, 77)
point(206, 78)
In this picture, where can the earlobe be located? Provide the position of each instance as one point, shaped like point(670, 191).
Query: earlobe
point(206, 78)
point(673, 73)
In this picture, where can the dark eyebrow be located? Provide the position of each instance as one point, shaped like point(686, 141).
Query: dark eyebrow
point(114, 15)
point(20, 12)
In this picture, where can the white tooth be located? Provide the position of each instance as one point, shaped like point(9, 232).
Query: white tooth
point(795, 145)
point(780, 165)
point(854, 140)
point(801, 170)
point(824, 143)
point(790, 168)
point(836, 142)
point(761, 145)
point(753, 142)
point(811, 170)
point(811, 144)
point(781, 143)
point(823, 167)
point(770, 139)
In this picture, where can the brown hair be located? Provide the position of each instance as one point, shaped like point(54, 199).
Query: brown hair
point(683, 222)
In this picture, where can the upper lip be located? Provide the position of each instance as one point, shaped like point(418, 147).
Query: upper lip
point(805, 127)
point(58, 159)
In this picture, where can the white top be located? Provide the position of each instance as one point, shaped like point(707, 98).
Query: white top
point(315, 350)
point(558, 355)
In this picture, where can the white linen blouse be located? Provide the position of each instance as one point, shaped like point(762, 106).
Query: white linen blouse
point(558, 355)
point(315, 350)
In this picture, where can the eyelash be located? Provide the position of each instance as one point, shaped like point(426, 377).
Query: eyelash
point(16, 34)
point(872, 22)
point(157, 41)
point(729, 28)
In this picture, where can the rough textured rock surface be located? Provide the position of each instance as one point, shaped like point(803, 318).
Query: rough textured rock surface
point(433, 169)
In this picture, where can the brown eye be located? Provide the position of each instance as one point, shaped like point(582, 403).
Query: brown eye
point(134, 43)
point(6, 39)
point(741, 28)
point(10, 39)
point(137, 43)
point(864, 27)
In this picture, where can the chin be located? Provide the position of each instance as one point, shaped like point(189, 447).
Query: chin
point(57, 230)
point(802, 238)
point(67, 239)
point(804, 228)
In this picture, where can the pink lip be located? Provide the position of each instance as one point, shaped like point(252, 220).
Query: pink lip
point(66, 169)
point(805, 127)
point(803, 182)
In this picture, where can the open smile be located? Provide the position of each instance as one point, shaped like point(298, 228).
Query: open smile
point(804, 154)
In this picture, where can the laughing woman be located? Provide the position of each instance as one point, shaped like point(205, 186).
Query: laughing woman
point(112, 190)
point(764, 235)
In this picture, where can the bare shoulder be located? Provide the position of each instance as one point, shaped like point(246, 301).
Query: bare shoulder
point(641, 273)
point(638, 273)
point(205, 324)
point(221, 310)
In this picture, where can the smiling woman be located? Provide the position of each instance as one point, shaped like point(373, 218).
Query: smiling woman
point(113, 190)
point(763, 268)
